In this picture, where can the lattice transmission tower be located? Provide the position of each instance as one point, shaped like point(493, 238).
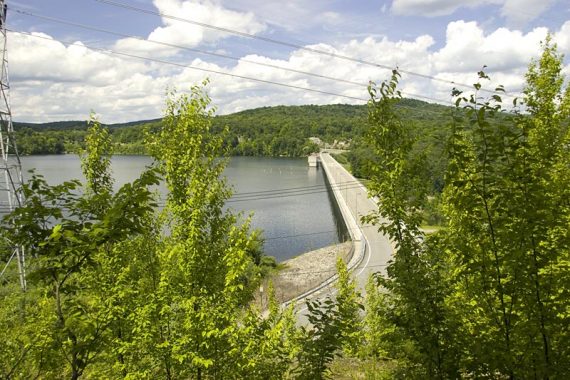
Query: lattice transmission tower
point(11, 169)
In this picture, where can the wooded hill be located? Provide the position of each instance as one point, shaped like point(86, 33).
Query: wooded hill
point(266, 131)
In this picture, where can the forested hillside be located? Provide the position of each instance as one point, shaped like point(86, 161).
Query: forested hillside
point(267, 131)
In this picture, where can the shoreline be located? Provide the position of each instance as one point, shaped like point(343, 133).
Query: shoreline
point(303, 273)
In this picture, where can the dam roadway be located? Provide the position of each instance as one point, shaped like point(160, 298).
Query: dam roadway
point(372, 249)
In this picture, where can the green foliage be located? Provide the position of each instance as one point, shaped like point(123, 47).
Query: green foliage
point(321, 343)
point(482, 297)
point(432, 211)
point(397, 177)
point(335, 329)
point(361, 160)
point(33, 142)
point(506, 198)
point(96, 159)
point(64, 236)
point(205, 280)
point(426, 126)
point(411, 314)
point(268, 345)
point(119, 291)
point(349, 306)
point(284, 130)
point(266, 131)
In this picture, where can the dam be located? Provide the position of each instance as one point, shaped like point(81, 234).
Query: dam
point(372, 250)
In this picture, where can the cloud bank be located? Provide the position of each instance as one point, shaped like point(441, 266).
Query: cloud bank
point(52, 81)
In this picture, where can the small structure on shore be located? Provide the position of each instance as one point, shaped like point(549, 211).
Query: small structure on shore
point(313, 160)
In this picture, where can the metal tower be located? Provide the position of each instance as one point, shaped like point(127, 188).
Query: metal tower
point(10, 167)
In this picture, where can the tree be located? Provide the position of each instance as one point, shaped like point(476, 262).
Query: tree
point(65, 232)
point(483, 296)
point(506, 200)
point(118, 291)
point(96, 159)
point(413, 306)
point(207, 272)
point(266, 347)
point(334, 328)
point(349, 307)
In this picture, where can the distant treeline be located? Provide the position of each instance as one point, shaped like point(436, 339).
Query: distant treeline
point(266, 131)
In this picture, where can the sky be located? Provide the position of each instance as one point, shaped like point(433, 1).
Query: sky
point(67, 57)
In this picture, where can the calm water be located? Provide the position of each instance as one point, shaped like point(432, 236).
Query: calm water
point(288, 199)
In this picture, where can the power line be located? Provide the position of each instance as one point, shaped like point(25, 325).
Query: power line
point(115, 52)
point(277, 195)
point(287, 44)
point(129, 55)
point(273, 196)
point(293, 189)
point(284, 193)
point(195, 50)
point(214, 54)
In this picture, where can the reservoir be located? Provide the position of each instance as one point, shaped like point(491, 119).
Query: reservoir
point(290, 201)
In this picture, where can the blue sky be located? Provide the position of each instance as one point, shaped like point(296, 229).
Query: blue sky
point(449, 39)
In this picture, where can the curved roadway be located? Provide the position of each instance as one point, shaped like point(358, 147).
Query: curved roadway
point(353, 201)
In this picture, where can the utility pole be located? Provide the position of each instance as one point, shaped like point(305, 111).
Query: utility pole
point(10, 166)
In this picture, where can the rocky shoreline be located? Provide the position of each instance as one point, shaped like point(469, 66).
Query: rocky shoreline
point(304, 272)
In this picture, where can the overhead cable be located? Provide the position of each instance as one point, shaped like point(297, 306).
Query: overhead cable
point(283, 195)
point(129, 55)
point(294, 189)
point(214, 54)
point(303, 47)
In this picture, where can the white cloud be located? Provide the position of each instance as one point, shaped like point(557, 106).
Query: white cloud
point(51, 81)
point(467, 48)
point(519, 12)
point(42, 58)
point(291, 15)
point(562, 38)
point(177, 32)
